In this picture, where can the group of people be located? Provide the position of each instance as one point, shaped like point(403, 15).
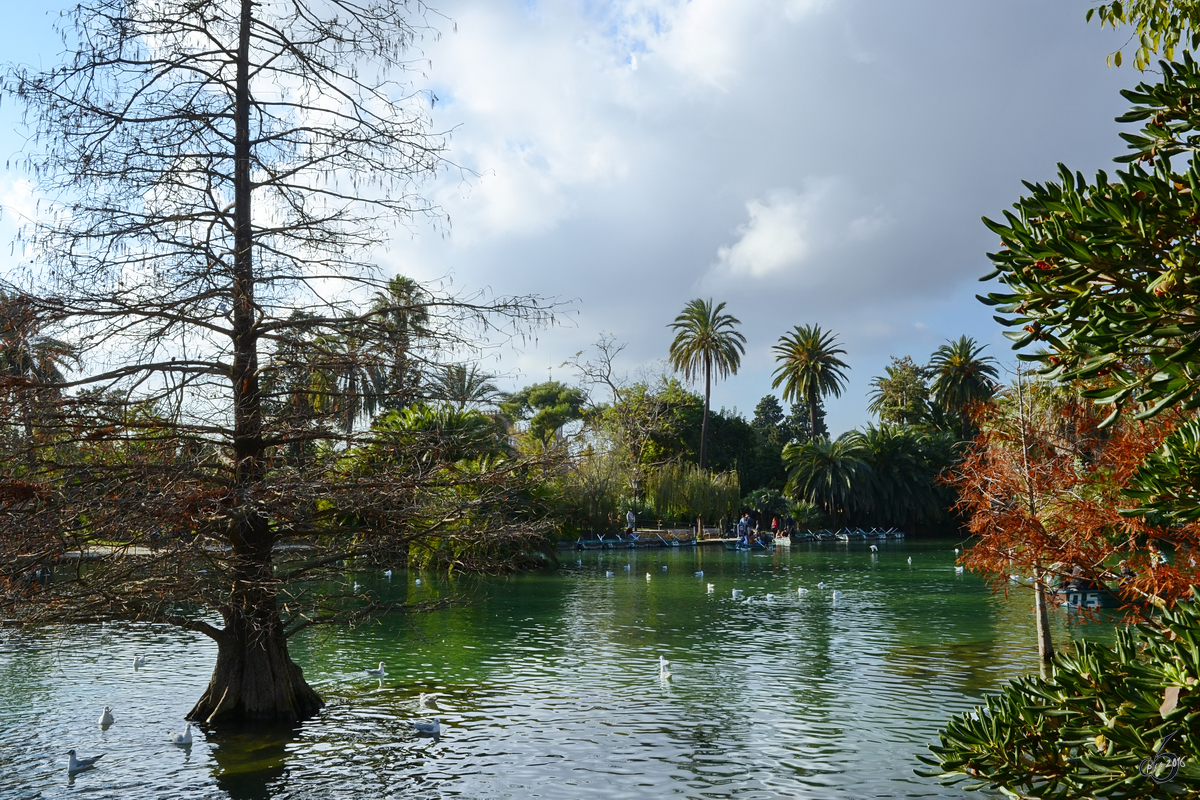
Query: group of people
point(749, 532)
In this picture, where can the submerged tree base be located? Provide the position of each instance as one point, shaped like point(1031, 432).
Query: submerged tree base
point(255, 680)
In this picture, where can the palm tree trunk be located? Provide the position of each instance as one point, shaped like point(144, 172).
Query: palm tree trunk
point(704, 423)
point(812, 414)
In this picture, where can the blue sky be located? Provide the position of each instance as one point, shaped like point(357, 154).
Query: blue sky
point(806, 161)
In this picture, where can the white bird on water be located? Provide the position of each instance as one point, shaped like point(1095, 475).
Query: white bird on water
point(418, 581)
point(958, 570)
point(428, 700)
point(608, 574)
point(378, 673)
point(711, 588)
point(428, 728)
point(910, 559)
point(770, 597)
point(106, 717)
point(80, 764)
point(627, 566)
point(664, 567)
point(647, 576)
point(182, 739)
point(956, 551)
point(874, 549)
point(821, 585)
point(140, 661)
point(356, 586)
point(700, 573)
point(387, 573)
point(836, 595)
point(737, 593)
point(663, 671)
point(802, 590)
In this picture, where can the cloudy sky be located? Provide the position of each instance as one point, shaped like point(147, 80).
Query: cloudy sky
point(805, 161)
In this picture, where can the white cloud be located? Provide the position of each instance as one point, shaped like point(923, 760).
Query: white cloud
point(775, 238)
point(786, 229)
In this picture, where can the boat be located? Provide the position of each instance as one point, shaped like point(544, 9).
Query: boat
point(754, 545)
point(1094, 597)
point(645, 540)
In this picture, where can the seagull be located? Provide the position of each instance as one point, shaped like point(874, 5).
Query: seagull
point(608, 574)
point(428, 700)
point(106, 718)
point(836, 595)
point(80, 764)
point(802, 590)
point(711, 588)
point(663, 671)
point(821, 585)
point(664, 567)
point(874, 549)
point(356, 586)
point(910, 559)
point(387, 573)
point(378, 673)
point(647, 576)
point(770, 597)
point(418, 581)
point(140, 661)
point(183, 739)
point(737, 593)
point(958, 569)
point(428, 728)
point(627, 567)
point(956, 551)
point(700, 574)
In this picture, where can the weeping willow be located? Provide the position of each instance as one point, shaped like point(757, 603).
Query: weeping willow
point(684, 491)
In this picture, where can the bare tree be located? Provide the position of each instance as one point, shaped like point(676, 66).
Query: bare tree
point(217, 175)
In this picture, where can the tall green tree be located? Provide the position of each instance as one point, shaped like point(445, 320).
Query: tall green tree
point(706, 341)
point(832, 475)
point(962, 379)
point(900, 396)
point(809, 367)
point(548, 407)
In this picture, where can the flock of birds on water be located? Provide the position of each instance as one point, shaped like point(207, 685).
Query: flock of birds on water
point(427, 728)
point(424, 728)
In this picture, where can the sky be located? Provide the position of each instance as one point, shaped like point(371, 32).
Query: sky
point(804, 161)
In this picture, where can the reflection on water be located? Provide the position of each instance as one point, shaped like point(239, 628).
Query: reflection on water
point(551, 687)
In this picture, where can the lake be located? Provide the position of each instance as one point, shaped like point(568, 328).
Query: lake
point(551, 685)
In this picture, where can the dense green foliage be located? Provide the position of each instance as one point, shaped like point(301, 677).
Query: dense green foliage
point(1160, 26)
point(1102, 726)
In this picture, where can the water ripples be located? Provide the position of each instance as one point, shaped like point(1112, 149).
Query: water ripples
point(551, 688)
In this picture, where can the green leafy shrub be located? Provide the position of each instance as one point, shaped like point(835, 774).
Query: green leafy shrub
point(1119, 722)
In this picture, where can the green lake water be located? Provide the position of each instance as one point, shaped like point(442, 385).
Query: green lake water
point(551, 686)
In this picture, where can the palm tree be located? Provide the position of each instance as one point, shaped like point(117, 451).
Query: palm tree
point(809, 368)
point(31, 364)
point(705, 340)
point(962, 379)
point(833, 475)
point(462, 386)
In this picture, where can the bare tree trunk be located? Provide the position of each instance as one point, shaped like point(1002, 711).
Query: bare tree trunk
point(1045, 645)
point(255, 677)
